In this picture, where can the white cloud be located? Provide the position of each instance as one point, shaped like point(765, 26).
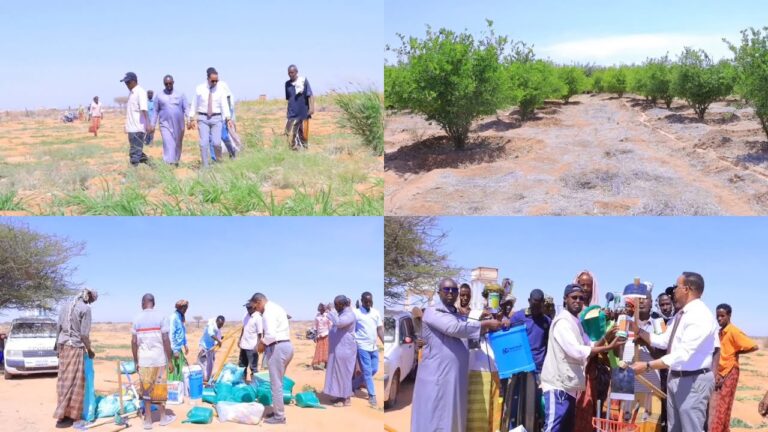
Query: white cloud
point(634, 48)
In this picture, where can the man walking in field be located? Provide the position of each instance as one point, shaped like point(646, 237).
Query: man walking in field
point(209, 110)
point(151, 349)
point(171, 108)
point(95, 112)
point(301, 106)
point(72, 344)
point(137, 124)
point(152, 115)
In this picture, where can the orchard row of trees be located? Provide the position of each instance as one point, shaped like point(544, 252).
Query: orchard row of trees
point(452, 78)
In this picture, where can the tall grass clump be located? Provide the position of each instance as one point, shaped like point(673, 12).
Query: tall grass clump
point(363, 114)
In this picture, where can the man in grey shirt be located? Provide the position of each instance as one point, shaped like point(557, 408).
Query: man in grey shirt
point(72, 343)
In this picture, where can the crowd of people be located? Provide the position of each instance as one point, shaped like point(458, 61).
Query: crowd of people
point(211, 111)
point(345, 342)
point(685, 359)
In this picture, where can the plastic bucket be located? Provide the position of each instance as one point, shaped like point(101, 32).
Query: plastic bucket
point(185, 371)
point(307, 400)
point(195, 385)
point(512, 351)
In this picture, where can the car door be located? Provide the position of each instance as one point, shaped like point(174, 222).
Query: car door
point(407, 350)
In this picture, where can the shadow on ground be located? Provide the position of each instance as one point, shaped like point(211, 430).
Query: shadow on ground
point(438, 153)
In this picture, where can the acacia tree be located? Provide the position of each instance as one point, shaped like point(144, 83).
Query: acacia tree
point(699, 80)
point(751, 63)
point(413, 262)
point(449, 77)
point(197, 319)
point(35, 268)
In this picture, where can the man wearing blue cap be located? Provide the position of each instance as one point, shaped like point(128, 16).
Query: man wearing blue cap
point(137, 124)
point(562, 375)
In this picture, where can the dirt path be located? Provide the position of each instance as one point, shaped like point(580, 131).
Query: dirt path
point(596, 155)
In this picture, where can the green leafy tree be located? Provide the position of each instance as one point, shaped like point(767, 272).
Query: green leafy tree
point(533, 82)
point(615, 81)
point(449, 77)
point(574, 79)
point(751, 71)
point(700, 81)
point(413, 261)
point(35, 268)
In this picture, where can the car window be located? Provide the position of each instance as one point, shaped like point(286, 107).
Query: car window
point(409, 327)
point(389, 329)
point(33, 330)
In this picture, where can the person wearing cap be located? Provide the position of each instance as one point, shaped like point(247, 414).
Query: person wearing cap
point(569, 349)
point(690, 344)
point(209, 111)
point(172, 108)
point(277, 347)
point(178, 337)
point(733, 343)
point(210, 339)
point(137, 124)
point(72, 343)
point(440, 396)
point(253, 329)
point(301, 106)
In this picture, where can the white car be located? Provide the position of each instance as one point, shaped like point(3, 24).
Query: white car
point(400, 353)
point(29, 348)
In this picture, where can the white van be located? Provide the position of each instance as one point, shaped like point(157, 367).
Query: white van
point(400, 353)
point(30, 347)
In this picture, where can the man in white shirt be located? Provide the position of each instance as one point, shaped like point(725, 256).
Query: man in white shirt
point(691, 341)
point(94, 111)
point(151, 348)
point(210, 109)
point(249, 337)
point(569, 348)
point(369, 325)
point(277, 346)
point(137, 124)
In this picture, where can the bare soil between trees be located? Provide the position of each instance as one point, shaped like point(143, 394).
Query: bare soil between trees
point(597, 155)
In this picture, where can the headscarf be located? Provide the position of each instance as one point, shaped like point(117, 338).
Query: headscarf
point(181, 303)
point(595, 294)
point(86, 294)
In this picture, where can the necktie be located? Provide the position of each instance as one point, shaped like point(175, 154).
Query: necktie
point(210, 103)
point(674, 330)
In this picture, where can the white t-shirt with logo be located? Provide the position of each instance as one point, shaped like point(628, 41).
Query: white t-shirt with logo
point(149, 327)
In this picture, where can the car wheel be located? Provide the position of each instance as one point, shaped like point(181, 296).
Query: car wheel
point(394, 388)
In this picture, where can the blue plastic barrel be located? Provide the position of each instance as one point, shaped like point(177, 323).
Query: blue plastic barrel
point(195, 385)
point(512, 351)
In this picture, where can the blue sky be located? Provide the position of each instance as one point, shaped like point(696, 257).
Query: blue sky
point(218, 263)
point(59, 54)
point(605, 31)
point(548, 252)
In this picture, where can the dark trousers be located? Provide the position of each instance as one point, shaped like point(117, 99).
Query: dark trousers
point(249, 359)
point(136, 152)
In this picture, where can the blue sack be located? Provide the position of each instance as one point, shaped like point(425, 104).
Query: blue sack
point(89, 403)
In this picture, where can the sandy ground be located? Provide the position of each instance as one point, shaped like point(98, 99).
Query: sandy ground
point(597, 155)
point(29, 402)
point(753, 383)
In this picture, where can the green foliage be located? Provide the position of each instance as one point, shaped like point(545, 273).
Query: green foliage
point(598, 81)
point(575, 80)
point(532, 82)
point(363, 114)
point(751, 71)
point(653, 80)
point(9, 201)
point(449, 77)
point(413, 261)
point(35, 268)
point(699, 81)
point(615, 81)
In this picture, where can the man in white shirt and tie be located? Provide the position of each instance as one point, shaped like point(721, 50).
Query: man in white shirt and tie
point(210, 109)
point(691, 342)
point(277, 348)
